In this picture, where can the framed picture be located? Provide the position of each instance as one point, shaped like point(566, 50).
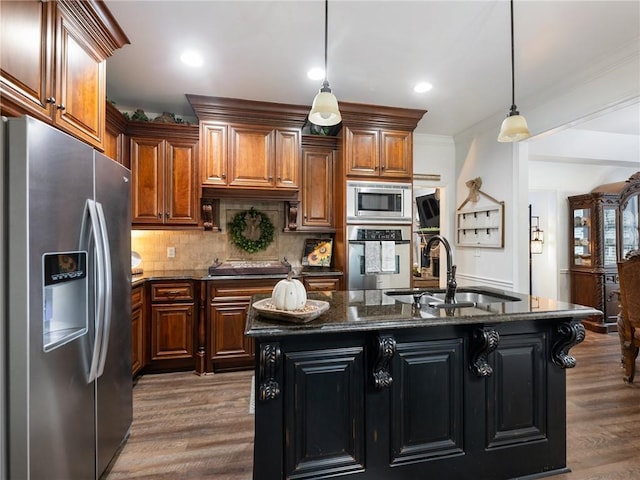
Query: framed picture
point(317, 252)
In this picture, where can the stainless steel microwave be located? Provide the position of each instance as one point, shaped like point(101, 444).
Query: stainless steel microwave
point(379, 202)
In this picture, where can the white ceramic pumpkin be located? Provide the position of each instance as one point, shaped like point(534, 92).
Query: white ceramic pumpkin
point(289, 294)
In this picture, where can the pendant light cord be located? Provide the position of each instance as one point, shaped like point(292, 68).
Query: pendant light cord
point(326, 34)
point(513, 75)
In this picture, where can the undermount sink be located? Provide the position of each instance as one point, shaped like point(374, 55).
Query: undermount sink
point(465, 297)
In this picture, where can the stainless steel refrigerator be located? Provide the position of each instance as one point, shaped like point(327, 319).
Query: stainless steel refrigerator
point(67, 294)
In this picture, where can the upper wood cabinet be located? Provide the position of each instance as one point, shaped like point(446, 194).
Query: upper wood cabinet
point(250, 156)
point(52, 61)
point(116, 143)
point(164, 166)
point(317, 199)
point(378, 153)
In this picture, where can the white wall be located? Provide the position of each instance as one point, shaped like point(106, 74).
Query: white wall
point(434, 155)
point(506, 172)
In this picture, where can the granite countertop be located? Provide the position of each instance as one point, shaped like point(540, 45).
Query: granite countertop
point(198, 274)
point(361, 310)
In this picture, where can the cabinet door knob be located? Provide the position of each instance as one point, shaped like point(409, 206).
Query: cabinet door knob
point(223, 176)
point(61, 107)
point(270, 178)
point(382, 167)
point(166, 214)
point(160, 216)
point(51, 100)
point(279, 179)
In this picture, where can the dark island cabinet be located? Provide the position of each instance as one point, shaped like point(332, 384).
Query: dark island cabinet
point(455, 402)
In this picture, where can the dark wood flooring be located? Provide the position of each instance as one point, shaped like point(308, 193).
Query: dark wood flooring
point(190, 427)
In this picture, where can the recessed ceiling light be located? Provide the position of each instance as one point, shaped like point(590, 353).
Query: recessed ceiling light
point(191, 58)
point(316, 73)
point(422, 87)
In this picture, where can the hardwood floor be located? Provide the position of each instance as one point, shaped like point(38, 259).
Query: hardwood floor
point(185, 426)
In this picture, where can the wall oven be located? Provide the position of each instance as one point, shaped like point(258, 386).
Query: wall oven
point(379, 257)
point(379, 202)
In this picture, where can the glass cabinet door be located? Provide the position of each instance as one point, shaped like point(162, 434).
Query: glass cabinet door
point(630, 229)
point(609, 234)
point(582, 243)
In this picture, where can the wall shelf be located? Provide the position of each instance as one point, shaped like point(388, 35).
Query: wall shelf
point(481, 227)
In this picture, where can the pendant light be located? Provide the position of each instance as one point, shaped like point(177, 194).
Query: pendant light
point(514, 127)
point(324, 111)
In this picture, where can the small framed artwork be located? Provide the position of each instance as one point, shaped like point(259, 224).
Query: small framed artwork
point(317, 252)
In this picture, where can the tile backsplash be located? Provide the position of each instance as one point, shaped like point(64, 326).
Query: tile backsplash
point(197, 249)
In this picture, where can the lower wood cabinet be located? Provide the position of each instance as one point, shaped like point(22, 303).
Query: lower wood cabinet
point(137, 329)
point(172, 325)
point(227, 347)
point(321, 284)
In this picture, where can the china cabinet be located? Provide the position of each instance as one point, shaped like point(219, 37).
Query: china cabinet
point(603, 226)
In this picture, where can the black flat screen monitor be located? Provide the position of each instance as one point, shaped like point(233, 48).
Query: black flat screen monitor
point(428, 211)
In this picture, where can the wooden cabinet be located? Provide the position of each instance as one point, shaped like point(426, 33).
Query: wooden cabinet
point(454, 402)
point(116, 142)
point(321, 283)
point(137, 329)
point(603, 226)
point(250, 156)
point(228, 348)
point(373, 152)
point(53, 58)
point(318, 198)
point(164, 189)
point(172, 325)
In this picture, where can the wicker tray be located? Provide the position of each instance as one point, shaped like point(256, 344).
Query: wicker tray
point(313, 309)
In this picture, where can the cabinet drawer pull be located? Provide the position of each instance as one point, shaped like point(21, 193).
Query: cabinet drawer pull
point(173, 292)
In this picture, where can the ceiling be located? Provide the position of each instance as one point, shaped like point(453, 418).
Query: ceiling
point(377, 51)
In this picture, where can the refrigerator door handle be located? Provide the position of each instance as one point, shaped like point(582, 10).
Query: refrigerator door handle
point(108, 289)
point(99, 285)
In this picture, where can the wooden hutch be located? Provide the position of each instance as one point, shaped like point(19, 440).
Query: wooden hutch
point(604, 224)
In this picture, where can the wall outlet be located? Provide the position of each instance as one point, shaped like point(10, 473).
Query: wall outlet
point(171, 252)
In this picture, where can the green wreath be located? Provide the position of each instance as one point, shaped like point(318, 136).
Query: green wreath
point(256, 220)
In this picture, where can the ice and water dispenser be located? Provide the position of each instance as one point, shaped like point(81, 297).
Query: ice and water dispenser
point(65, 314)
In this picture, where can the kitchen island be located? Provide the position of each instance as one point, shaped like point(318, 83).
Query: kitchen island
point(380, 388)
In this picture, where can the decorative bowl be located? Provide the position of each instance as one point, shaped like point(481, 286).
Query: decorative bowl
point(312, 310)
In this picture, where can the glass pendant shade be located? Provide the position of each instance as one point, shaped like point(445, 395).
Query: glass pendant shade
point(324, 111)
point(537, 240)
point(514, 128)
point(536, 246)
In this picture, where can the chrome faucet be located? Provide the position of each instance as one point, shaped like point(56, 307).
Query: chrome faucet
point(450, 294)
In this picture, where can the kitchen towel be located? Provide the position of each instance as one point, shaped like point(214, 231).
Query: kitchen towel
point(388, 254)
point(372, 257)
